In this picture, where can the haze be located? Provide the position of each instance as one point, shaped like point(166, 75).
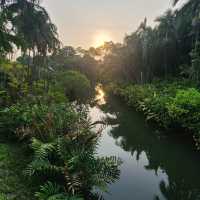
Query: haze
point(81, 22)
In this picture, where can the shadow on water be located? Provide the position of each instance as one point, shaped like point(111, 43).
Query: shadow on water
point(154, 168)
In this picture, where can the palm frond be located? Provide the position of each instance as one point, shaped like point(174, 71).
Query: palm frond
point(41, 162)
point(42, 166)
point(48, 190)
point(52, 191)
point(42, 150)
point(105, 171)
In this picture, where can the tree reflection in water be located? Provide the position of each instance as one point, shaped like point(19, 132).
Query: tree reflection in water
point(176, 157)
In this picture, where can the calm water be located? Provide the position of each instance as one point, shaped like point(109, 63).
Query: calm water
point(154, 167)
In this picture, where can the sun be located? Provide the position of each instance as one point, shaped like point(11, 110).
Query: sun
point(101, 37)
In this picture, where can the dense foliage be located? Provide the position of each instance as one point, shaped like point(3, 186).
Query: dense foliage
point(169, 105)
point(76, 85)
point(64, 149)
point(41, 93)
point(170, 49)
point(41, 106)
point(154, 62)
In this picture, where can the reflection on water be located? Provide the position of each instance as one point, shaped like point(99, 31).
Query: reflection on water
point(100, 95)
point(153, 168)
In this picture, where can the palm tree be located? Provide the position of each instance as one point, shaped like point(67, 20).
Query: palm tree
point(167, 35)
point(6, 38)
point(32, 25)
point(191, 10)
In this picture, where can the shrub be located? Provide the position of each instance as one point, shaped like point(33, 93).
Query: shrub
point(72, 163)
point(38, 120)
point(5, 99)
point(64, 149)
point(184, 109)
point(169, 105)
point(75, 85)
point(53, 191)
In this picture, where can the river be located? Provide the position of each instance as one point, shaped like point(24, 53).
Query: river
point(155, 167)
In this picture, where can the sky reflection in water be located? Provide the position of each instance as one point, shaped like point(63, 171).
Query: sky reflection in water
point(153, 168)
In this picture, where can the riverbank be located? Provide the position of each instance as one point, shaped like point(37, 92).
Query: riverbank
point(62, 152)
point(148, 162)
point(171, 106)
point(154, 166)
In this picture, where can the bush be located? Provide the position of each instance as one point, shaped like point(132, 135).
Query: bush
point(184, 109)
point(4, 98)
point(171, 106)
point(75, 85)
point(38, 120)
point(64, 149)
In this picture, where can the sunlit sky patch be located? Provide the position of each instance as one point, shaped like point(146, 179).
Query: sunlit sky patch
point(90, 22)
point(100, 37)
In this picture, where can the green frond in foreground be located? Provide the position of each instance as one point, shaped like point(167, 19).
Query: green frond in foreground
point(3, 197)
point(41, 149)
point(41, 162)
point(52, 191)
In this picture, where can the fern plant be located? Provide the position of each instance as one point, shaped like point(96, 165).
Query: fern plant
point(64, 149)
point(74, 160)
point(51, 191)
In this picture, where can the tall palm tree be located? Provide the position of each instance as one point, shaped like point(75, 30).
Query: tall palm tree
point(167, 35)
point(191, 11)
point(6, 38)
point(32, 25)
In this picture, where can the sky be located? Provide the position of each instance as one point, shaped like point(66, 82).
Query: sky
point(88, 23)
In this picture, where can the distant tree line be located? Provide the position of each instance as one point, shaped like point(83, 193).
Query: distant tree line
point(170, 49)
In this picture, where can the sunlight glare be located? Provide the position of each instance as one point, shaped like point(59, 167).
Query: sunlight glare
point(101, 37)
point(100, 97)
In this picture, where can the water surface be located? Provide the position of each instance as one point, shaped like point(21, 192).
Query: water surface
point(154, 167)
